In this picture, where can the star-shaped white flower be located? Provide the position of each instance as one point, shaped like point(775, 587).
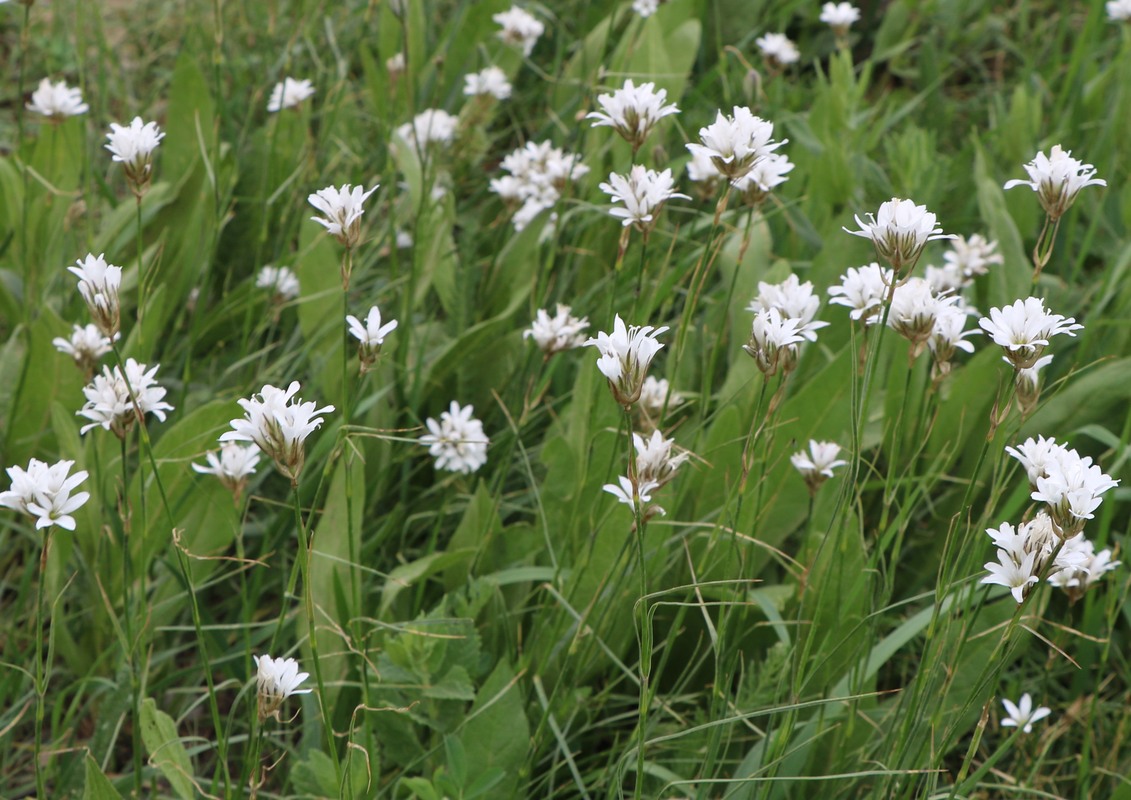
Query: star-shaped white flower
point(1023, 715)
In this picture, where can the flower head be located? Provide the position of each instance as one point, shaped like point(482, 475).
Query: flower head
point(282, 282)
point(233, 466)
point(1022, 715)
point(655, 393)
point(766, 174)
point(632, 111)
point(915, 311)
point(632, 494)
point(114, 400)
point(735, 143)
point(430, 126)
point(795, 300)
point(625, 357)
point(370, 336)
point(863, 289)
point(86, 346)
point(342, 209)
point(1118, 10)
point(774, 341)
point(655, 463)
point(645, 8)
point(99, 283)
point(519, 28)
point(972, 257)
point(948, 335)
point(276, 679)
point(563, 331)
point(643, 192)
point(538, 174)
point(1024, 328)
point(1057, 178)
point(778, 49)
point(289, 94)
point(1085, 567)
point(134, 146)
point(1027, 385)
point(817, 465)
point(57, 101)
point(457, 440)
point(491, 81)
point(900, 231)
point(839, 16)
point(44, 492)
point(278, 425)
point(1070, 485)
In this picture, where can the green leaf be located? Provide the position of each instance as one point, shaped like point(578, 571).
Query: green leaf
point(406, 575)
point(98, 786)
point(166, 751)
point(496, 734)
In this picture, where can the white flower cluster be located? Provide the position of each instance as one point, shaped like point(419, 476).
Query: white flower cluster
point(133, 146)
point(289, 94)
point(57, 101)
point(538, 173)
point(370, 335)
point(923, 317)
point(778, 50)
point(766, 174)
point(1024, 328)
point(817, 465)
point(86, 346)
point(654, 394)
point(784, 317)
point(114, 400)
point(278, 426)
point(839, 16)
point(343, 209)
point(965, 260)
point(282, 282)
point(430, 126)
point(863, 289)
point(519, 28)
point(1057, 178)
point(900, 231)
point(233, 466)
point(1070, 486)
point(643, 192)
point(99, 283)
point(1118, 10)
point(632, 111)
point(563, 331)
point(456, 440)
point(490, 82)
point(276, 679)
point(735, 143)
point(625, 357)
point(655, 466)
point(44, 492)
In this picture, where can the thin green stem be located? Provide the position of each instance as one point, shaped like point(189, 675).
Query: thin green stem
point(40, 671)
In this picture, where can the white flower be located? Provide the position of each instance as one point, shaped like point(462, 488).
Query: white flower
point(794, 300)
point(343, 209)
point(370, 336)
point(655, 463)
point(863, 289)
point(1024, 328)
point(519, 28)
point(817, 465)
point(432, 125)
point(86, 346)
point(276, 679)
point(1023, 553)
point(948, 335)
point(643, 192)
point(839, 16)
point(44, 492)
point(233, 466)
point(625, 357)
point(972, 257)
point(490, 81)
point(735, 143)
point(774, 341)
point(1016, 576)
point(57, 100)
point(1023, 715)
point(111, 398)
point(403, 239)
point(563, 331)
point(900, 232)
point(655, 393)
point(1057, 178)
point(289, 94)
point(278, 426)
point(1085, 567)
point(539, 172)
point(629, 494)
point(395, 64)
point(1027, 384)
point(1118, 10)
point(632, 111)
point(701, 169)
point(134, 146)
point(457, 440)
point(645, 8)
point(99, 283)
point(766, 174)
point(915, 309)
point(778, 49)
point(280, 280)
point(1069, 484)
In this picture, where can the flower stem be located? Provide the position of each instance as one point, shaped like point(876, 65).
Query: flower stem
point(307, 537)
point(40, 671)
point(127, 613)
point(639, 526)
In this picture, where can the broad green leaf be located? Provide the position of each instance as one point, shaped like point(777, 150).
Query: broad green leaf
point(98, 786)
point(496, 733)
point(166, 751)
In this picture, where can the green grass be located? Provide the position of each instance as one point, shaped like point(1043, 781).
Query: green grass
point(481, 635)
